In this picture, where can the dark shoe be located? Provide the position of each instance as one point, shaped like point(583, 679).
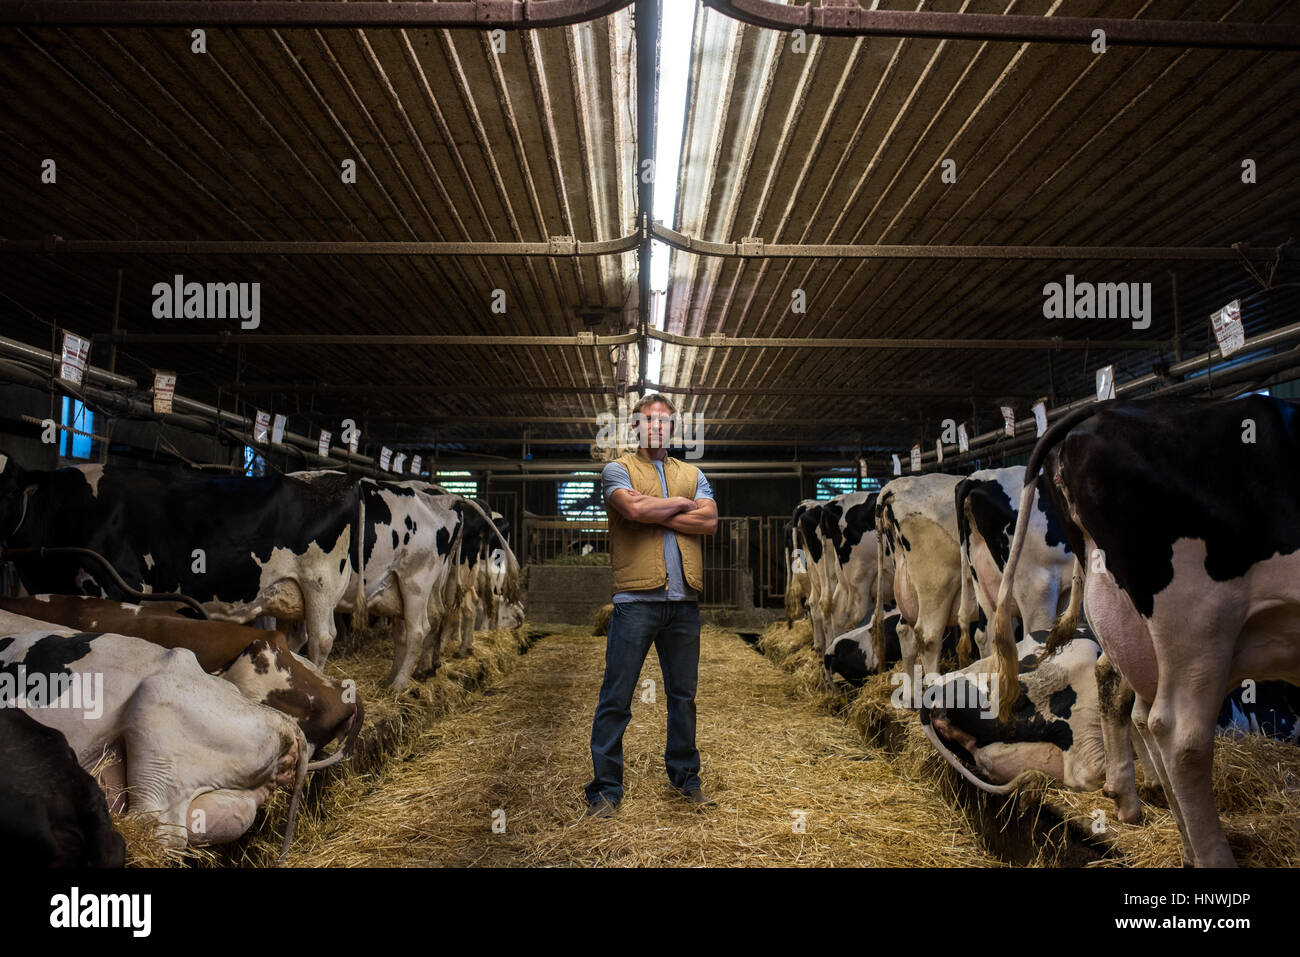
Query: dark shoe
point(603, 807)
point(697, 796)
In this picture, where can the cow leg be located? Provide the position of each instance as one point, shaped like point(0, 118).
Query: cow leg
point(319, 621)
point(1182, 721)
point(219, 817)
point(467, 622)
point(1115, 702)
point(1141, 711)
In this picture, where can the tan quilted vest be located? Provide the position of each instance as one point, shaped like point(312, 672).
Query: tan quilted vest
point(637, 549)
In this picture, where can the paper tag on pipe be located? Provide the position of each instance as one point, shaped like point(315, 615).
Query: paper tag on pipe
point(916, 458)
point(76, 351)
point(898, 467)
point(323, 446)
point(385, 456)
point(862, 468)
point(1009, 421)
point(398, 461)
point(277, 430)
point(963, 443)
point(262, 426)
point(1105, 383)
point(415, 465)
point(1228, 330)
point(164, 388)
point(354, 440)
point(1040, 417)
point(938, 451)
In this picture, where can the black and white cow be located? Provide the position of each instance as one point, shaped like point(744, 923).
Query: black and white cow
point(244, 547)
point(986, 504)
point(52, 813)
point(193, 751)
point(852, 654)
point(1186, 518)
point(848, 533)
point(1055, 723)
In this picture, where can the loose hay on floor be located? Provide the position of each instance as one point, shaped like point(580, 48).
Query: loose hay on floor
point(794, 786)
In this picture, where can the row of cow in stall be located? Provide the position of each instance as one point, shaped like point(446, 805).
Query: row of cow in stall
point(196, 722)
point(1131, 589)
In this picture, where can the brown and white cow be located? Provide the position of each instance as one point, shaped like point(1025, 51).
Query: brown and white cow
point(1186, 518)
point(194, 752)
point(257, 662)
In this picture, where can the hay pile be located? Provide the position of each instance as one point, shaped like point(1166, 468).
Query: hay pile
point(520, 756)
point(600, 622)
point(791, 649)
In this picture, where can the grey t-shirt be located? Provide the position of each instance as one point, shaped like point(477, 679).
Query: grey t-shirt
point(613, 477)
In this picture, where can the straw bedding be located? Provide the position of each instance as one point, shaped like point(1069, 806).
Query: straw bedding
point(793, 785)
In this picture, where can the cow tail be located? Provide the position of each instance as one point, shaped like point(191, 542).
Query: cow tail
point(300, 778)
point(360, 618)
point(1064, 627)
point(877, 613)
point(964, 655)
point(1006, 668)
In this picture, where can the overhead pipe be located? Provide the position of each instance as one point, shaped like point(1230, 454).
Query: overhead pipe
point(555, 246)
point(479, 14)
point(755, 248)
point(848, 18)
point(792, 342)
point(357, 339)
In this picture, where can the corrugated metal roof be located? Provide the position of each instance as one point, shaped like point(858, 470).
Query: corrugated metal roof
point(840, 142)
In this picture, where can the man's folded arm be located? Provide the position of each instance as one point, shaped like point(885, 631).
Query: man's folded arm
point(647, 509)
point(700, 520)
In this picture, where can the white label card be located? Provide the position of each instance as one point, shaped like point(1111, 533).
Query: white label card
point(262, 426)
point(415, 465)
point(1040, 417)
point(277, 430)
point(1105, 383)
point(164, 388)
point(385, 457)
point(963, 443)
point(916, 458)
point(323, 447)
point(76, 351)
point(1228, 330)
point(898, 467)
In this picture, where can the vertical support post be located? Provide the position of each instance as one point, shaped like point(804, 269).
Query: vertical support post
point(1178, 325)
point(647, 111)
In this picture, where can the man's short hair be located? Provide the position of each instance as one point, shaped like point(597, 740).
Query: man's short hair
point(658, 397)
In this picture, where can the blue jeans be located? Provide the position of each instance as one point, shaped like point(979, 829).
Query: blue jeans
point(674, 628)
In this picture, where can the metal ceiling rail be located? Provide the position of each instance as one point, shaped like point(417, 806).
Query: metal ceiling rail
point(755, 248)
point(507, 467)
point(358, 339)
point(556, 246)
point(482, 14)
point(783, 342)
point(847, 18)
point(809, 391)
point(1151, 380)
point(646, 16)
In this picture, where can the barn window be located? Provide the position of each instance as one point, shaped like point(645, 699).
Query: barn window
point(831, 485)
point(580, 501)
point(76, 445)
point(458, 483)
point(254, 464)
